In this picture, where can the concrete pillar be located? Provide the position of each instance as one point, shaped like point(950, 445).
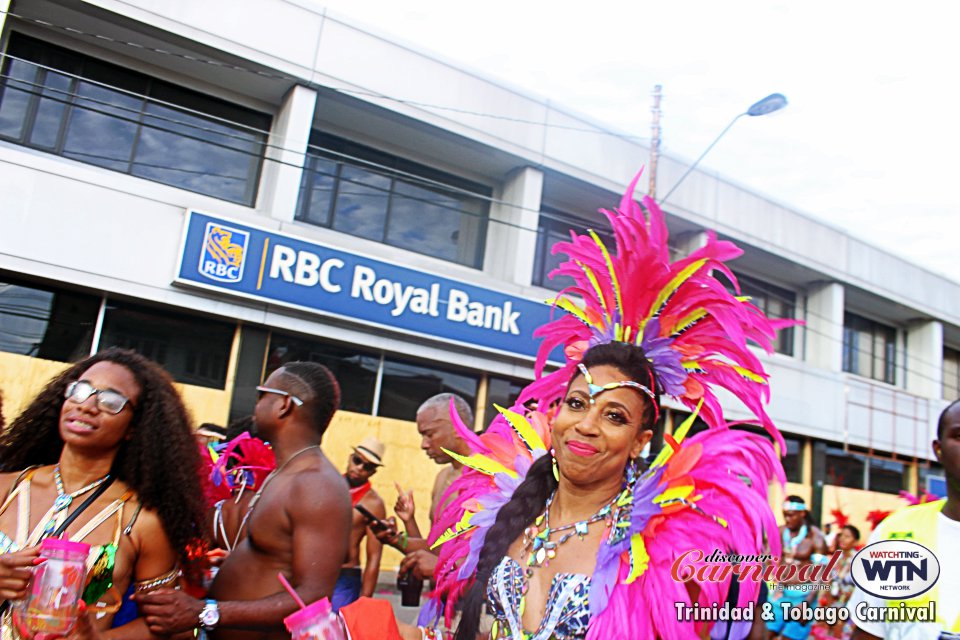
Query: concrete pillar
point(511, 235)
point(823, 334)
point(924, 359)
point(4, 8)
point(286, 154)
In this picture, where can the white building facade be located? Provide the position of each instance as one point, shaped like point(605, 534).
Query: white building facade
point(352, 173)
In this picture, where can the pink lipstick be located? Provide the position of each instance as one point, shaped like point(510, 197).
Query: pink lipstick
point(578, 448)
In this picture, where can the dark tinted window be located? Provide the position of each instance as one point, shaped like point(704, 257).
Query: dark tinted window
point(501, 391)
point(45, 322)
point(553, 227)
point(194, 350)
point(886, 476)
point(792, 461)
point(406, 385)
point(355, 371)
point(845, 469)
point(191, 141)
point(388, 199)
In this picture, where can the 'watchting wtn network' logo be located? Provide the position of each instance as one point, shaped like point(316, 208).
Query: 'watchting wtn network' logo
point(223, 252)
point(895, 569)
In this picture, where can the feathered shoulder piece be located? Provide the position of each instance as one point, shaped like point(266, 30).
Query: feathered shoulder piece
point(500, 459)
point(701, 493)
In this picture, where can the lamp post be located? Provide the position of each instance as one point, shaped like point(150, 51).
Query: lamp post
point(773, 102)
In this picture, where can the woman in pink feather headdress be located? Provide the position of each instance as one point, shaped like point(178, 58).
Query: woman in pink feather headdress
point(557, 525)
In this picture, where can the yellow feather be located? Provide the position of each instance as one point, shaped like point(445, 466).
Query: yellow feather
point(672, 286)
point(481, 463)
point(639, 558)
point(679, 434)
point(613, 274)
point(596, 288)
point(573, 309)
point(674, 493)
point(456, 530)
point(689, 319)
point(523, 428)
point(746, 373)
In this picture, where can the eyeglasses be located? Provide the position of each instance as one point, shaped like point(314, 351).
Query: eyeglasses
point(369, 467)
point(294, 399)
point(107, 399)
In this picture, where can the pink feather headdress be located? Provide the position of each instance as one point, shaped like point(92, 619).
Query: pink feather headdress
point(691, 328)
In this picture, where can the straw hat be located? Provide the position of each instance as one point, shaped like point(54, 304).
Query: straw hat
point(371, 450)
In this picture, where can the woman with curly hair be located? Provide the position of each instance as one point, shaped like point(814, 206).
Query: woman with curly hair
point(104, 454)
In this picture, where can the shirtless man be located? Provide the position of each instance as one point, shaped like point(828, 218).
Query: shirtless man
point(436, 434)
point(298, 524)
point(366, 458)
point(802, 543)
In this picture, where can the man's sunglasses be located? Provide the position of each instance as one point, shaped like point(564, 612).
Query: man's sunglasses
point(108, 400)
point(369, 467)
point(294, 399)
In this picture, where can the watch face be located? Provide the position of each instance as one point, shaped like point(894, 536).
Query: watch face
point(210, 615)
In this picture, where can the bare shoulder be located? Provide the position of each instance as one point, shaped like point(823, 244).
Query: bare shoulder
point(374, 503)
point(148, 526)
point(9, 480)
point(318, 485)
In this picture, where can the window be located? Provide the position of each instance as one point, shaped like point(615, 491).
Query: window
point(373, 195)
point(792, 461)
point(78, 107)
point(554, 227)
point(501, 391)
point(775, 302)
point(869, 348)
point(406, 385)
point(193, 350)
point(403, 387)
point(886, 476)
point(845, 469)
point(46, 323)
point(355, 371)
point(951, 374)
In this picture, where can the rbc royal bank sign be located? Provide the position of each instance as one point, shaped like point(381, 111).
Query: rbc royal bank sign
point(254, 263)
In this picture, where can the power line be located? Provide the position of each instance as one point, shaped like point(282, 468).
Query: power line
point(301, 81)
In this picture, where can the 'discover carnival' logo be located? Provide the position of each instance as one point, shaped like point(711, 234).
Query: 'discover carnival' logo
point(223, 252)
point(895, 569)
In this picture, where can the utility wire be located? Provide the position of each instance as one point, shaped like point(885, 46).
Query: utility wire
point(44, 92)
point(282, 76)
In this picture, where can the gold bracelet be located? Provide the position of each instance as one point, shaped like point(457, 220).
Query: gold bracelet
point(160, 581)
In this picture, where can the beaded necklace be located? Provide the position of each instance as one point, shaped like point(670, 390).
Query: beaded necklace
point(64, 499)
point(537, 544)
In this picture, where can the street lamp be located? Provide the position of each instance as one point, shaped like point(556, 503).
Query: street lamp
point(773, 102)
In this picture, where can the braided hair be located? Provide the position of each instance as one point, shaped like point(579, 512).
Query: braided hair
point(160, 461)
point(530, 497)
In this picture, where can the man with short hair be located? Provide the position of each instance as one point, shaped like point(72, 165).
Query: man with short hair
point(366, 459)
point(297, 524)
point(935, 525)
point(437, 435)
point(803, 544)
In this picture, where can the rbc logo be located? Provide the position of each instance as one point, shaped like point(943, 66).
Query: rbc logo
point(895, 569)
point(223, 252)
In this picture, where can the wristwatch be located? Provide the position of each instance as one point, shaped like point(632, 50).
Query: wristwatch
point(209, 615)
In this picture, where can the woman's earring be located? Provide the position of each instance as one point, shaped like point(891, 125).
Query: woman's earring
point(556, 469)
point(633, 471)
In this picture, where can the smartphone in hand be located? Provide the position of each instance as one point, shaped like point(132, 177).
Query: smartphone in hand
point(375, 522)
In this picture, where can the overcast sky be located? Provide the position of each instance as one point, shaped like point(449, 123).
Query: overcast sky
point(870, 138)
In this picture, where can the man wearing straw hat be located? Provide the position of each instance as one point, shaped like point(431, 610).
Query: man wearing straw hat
point(366, 459)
